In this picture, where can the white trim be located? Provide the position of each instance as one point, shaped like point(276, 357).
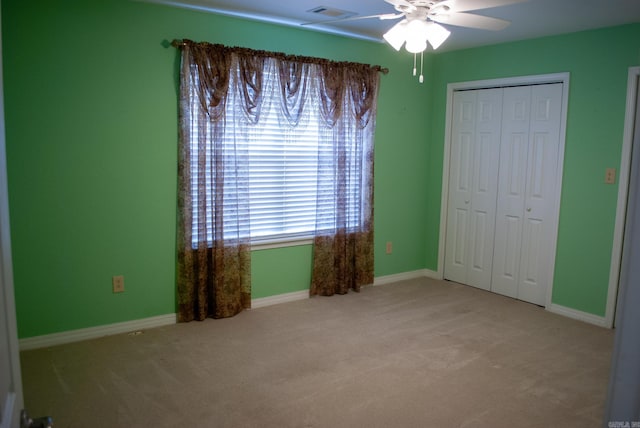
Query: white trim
point(559, 172)
point(431, 274)
point(95, 332)
point(10, 420)
point(444, 196)
point(496, 83)
point(390, 279)
point(537, 79)
point(11, 399)
point(279, 298)
point(304, 294)
point(281, 243)
point(168, 319)
point(577, 315)
point(623, 194)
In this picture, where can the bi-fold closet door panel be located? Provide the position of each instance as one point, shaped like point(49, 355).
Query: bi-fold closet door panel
point(475, 145)
point(503, 166)
point(527, 192)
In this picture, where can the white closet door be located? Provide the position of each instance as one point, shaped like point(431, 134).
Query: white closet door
point(516, 118)
point(537, 237)
point(527, 192)
point(473, 186)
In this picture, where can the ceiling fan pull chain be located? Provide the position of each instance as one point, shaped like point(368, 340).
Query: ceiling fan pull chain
point(421, 79)
point(414, 64)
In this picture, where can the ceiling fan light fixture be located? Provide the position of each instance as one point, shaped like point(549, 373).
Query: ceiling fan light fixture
point(396, 36)
point(417, 33)
point(416, 46)
point(436, 34)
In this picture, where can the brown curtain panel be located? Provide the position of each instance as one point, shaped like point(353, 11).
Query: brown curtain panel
point(343, 253)
point(214, 270)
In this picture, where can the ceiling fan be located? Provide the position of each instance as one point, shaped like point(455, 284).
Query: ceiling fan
point(422, 18)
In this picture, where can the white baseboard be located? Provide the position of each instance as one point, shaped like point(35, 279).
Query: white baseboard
point(304, 294)
point(279, 298)
point(389, 279)
point(129, 326)
point(431, 274)
point(141, 324)
point(94, 332)
point(578, 315)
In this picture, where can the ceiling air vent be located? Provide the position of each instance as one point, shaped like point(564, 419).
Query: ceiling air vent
point(331, 12)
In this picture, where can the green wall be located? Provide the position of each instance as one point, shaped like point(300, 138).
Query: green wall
point(598, 63)
point(91, 123)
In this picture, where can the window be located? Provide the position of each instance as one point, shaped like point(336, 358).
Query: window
point(271, 147)
point(291, 193)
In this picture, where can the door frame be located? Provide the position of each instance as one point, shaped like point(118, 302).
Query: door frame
point(501, 83)
point(623, 397)
point(623, 194)
point(14, 402)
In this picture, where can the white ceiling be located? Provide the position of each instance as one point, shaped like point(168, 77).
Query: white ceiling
point(531, 19)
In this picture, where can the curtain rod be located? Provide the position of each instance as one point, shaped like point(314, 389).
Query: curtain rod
point(176, 43)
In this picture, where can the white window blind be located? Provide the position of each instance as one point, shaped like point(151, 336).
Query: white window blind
point(283, 177)
point(287, 193)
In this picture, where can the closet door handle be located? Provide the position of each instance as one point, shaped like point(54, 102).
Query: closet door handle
point(466, 202)
point(529, 209)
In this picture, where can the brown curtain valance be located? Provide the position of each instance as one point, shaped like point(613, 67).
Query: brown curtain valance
point(278, 55)
point(338, 81)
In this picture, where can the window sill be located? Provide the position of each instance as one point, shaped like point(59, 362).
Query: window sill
point(281, 243)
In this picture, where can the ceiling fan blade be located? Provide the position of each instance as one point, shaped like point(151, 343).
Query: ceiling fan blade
point(470, 20)
point(465, 5)
point(355, 18)
point(404, 3)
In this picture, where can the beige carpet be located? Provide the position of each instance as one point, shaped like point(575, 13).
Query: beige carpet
point(419, 353)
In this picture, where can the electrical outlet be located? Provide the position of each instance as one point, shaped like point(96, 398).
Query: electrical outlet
point(118, 284)
point(610, 176)
point(389, 247)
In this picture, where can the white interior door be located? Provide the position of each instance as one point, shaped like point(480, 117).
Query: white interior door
point(527, 191)
point(473, 186)
point(538, 233)
point(511, 190)
point(459, 201)
point(10, 379)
